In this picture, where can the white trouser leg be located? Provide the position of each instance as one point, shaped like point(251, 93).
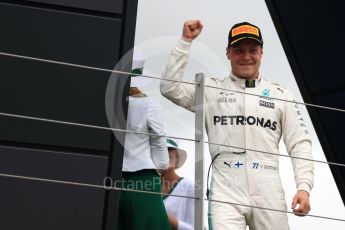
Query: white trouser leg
point(229, 184)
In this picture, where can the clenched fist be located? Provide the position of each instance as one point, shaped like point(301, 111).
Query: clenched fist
point(301, 198)
point(191, 30)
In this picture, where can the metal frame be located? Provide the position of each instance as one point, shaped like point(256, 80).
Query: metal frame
point(199, 150)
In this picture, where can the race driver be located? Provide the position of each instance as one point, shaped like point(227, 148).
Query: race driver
point(249, 117)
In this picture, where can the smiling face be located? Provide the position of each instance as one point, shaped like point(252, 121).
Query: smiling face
point(245, 58)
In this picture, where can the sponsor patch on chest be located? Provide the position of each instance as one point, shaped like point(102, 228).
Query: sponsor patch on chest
point(226, 97)
point(242, 120)
point(266, 104)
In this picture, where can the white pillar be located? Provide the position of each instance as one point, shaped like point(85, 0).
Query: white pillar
point(199, 150)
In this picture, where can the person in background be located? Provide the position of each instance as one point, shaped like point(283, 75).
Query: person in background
point(143, 156)
point(180, 210)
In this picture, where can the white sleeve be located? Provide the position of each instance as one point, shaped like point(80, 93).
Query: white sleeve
point(188, 224)
point(179, 93)
point(184, 226)
point(158, 147)
point(298, 144)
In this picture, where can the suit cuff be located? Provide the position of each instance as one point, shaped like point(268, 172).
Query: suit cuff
point(183, 46)
point(304, 187)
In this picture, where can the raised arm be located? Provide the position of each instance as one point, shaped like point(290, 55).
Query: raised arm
point(180, 93)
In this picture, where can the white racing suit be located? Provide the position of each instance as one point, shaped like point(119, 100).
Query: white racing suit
point(248, 122)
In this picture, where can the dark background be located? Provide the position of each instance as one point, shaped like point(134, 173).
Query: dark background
point(311, 33)
point(91, 33)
